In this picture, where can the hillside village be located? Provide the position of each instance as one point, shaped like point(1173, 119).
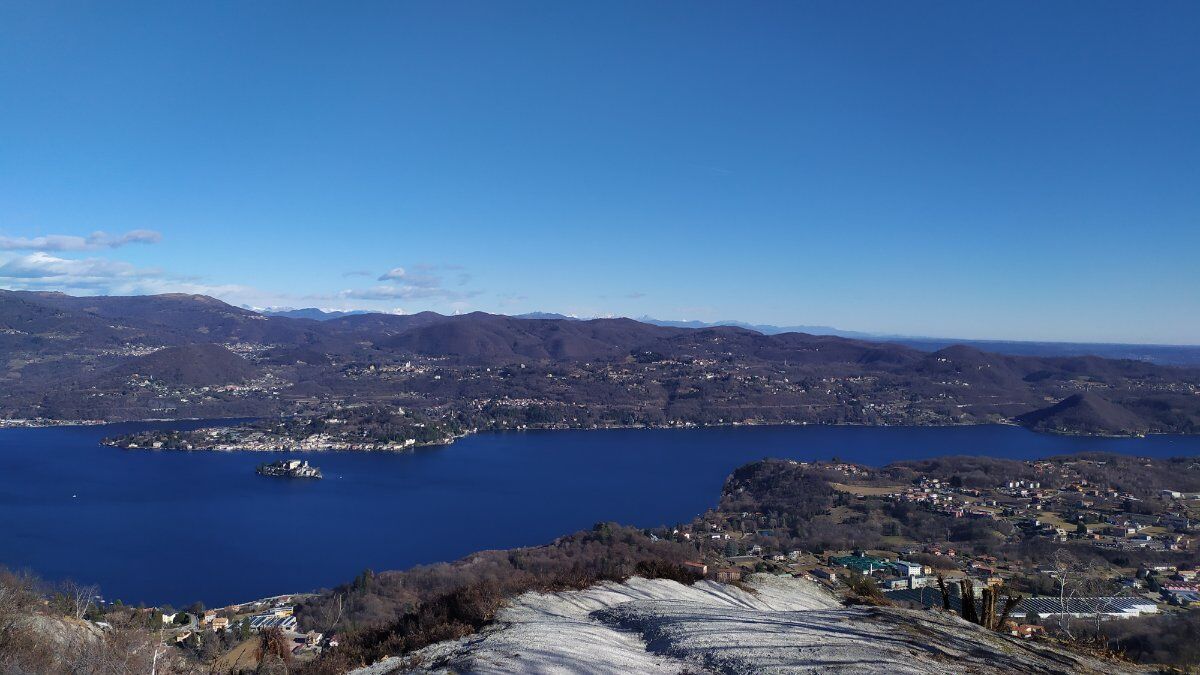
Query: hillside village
point(215, 634)
point(1069, 545)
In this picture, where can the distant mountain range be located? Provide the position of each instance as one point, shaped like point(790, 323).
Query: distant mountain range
point(1168, 355)
point(1173, 355)
point(310, 313)
point(765, 329)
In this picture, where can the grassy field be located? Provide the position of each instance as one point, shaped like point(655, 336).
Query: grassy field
point(866, 490)
point(243, 657)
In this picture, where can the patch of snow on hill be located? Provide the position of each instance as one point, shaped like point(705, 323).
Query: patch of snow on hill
point(784, 626)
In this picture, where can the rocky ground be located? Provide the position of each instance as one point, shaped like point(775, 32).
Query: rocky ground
point(779, 626)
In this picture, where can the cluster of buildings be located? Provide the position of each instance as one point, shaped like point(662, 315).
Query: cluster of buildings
point(385, 371)
point(1178, 586)
point(1063, 507)
point(888, 574)
point(267, 384)
point(1053, 501)
point(33, 422)
point(281, 616)
point(725, 574)
point(904, 581)
point(939, 497)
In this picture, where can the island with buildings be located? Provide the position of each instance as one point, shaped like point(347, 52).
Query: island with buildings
point(289, 468)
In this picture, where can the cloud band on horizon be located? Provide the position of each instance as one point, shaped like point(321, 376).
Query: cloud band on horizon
point(64, 242)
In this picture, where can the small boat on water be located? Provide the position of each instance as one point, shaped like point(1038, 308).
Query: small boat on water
point(289, 468)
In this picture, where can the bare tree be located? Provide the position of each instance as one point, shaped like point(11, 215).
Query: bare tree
point(989, 595)
point(274, 645)
point(158, 645)
point(15, 600)
point(126, 648)
point(1010, 603)
point(79, 597)
point(1100, 598)
point(20, 649)
point(967, 594)
point(339, 603)
point(945, 593)
point(1070, 577)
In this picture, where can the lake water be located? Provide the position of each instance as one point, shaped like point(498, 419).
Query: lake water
point(178, 527)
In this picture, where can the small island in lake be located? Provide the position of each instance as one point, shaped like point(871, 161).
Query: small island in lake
point(289, 468)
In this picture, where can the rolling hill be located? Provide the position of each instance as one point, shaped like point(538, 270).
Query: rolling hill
point(195, 365)
point(1087, 413)
point(64, 353)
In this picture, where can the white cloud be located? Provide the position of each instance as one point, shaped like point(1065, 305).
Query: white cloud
point(131, 237)
point(91, 276)
point(401, 292)
point(44, 266)
point(64, 242)
point(40, 270)
point(424, 276)
point(409, 279)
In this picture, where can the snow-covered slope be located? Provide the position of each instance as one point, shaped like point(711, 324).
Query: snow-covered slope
point(784, 626)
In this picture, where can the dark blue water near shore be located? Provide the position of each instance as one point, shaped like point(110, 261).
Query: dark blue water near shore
point(176, 527)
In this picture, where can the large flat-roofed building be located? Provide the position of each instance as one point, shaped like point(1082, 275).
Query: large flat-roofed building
point(1114, 607)
point(861, 563)
point(264, 621)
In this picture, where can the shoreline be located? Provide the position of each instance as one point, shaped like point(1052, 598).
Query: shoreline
point(666, 427)
point(47, 423)
point(37, 423)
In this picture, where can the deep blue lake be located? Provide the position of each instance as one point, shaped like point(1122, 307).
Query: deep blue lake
point(178, 527)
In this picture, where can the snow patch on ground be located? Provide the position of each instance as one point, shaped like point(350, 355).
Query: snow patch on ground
point(785, 626)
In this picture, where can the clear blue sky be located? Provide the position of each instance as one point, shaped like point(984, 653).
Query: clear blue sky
point(1003, 170)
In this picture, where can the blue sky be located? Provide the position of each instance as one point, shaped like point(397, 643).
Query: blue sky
point(990, 170)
